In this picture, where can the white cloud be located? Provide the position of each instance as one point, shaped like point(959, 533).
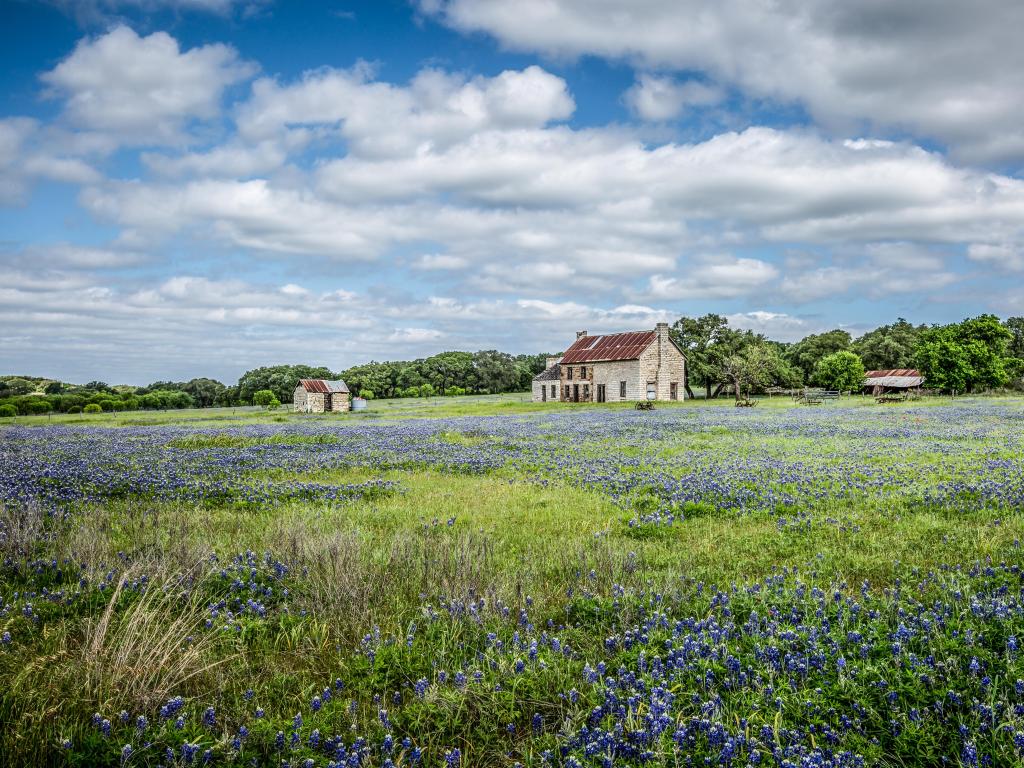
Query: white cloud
point(945, 69)
point(377, 119)
point(144, 90)
point(664, 98)
point(714, 277)
point(1002, 256)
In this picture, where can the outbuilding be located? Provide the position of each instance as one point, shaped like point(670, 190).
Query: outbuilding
point(894, 380)
point(320, 396)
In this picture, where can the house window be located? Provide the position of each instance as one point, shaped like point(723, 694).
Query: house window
point(622, 390)
point(586, 392)
point(568, 374)
point(673, 391)
point(583, 372)
point(568, 390)
point(554, 392)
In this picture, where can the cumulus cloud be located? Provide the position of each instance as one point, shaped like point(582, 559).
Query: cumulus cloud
point(714, 277)
point(144, 90)
point(664, 98)
point(947, 69)
point(378, 119)
point(1002, 256)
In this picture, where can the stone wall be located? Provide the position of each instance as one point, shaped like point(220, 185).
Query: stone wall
point(299, 400)
point(538, 397)
point(339, 402)
point(663, 364)
point(612, 373)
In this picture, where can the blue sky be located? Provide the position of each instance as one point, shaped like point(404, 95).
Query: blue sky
point(201, 187)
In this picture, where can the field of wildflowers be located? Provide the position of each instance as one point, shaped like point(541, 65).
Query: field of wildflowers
point(699, 585)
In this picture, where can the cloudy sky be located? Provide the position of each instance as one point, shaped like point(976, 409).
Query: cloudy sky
point(198, 187)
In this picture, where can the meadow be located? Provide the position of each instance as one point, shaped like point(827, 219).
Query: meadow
point(489, 582)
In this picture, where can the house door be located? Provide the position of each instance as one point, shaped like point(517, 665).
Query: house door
point(544, 393)
point(600, 393)
point(575, 393)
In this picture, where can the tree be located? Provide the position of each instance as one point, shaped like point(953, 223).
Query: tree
point(92, 408)
point(494, 371)
point(806, 353)
point(264, 397)
point(700, 339)
point(54, 388)
point(888, 346)
point(447, 369)
point(1015, 347)
point(842, 371)
point(749, 368)
point(7, 410)
point(205, 392)
point(964, 356)
point(17, 386)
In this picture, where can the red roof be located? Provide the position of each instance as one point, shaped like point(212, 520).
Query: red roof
point(613, 346)
point(893, 372)
point(323, 386)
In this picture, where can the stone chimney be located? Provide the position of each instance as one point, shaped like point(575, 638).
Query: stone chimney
point(580, 334)
point(661, 329)
point(551, 361)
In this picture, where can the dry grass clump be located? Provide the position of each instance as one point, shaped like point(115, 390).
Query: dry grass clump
point(21, 529)
point(154, 648)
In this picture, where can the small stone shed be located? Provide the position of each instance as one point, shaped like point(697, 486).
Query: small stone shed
point(320, 396)
point(895, 380)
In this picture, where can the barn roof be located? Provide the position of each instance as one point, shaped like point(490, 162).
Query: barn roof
point(611, 346)
point(323, 386)
point(897, 378)
point(549, 374)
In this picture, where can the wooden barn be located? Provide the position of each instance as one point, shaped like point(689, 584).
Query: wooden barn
point(320, 396)
point(896, 380)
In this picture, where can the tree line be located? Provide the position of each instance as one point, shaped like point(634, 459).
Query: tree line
point(975, 354)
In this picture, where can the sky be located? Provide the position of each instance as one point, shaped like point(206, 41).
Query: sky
point(200, 187)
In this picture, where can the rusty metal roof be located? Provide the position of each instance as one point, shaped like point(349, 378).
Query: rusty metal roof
point(893, 372)
point(612, 346)
point(323, 386)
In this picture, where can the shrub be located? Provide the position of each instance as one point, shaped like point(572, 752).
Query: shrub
point(367, 394)
point(92, 408)
point(274, 404)
point(264, 397)
point(75, 409)
point(39, 405)
point(8, 410)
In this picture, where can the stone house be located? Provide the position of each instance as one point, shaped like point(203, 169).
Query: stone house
point(546, 383)
point(320, 396)
point(638, 365)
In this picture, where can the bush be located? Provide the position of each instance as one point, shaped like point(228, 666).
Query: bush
point(92, 408)
point(274, 404)
point(8, 410)
point(264, 397)
point(39, 405)
point(367, 394)
point(75, 409)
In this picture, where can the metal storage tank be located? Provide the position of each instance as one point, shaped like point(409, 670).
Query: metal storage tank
point(358, 404)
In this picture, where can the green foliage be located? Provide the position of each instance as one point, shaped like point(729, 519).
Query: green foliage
point(281, 380)
point(39, 405)
point(92, 408)
point(965, 356)
point(806, 353)
point(841, 371)
point(889, 346)
point(15, 386)
point(7, 410)
point(750, 368)
point(367, 394)
point(74, 409)
point(264, 397)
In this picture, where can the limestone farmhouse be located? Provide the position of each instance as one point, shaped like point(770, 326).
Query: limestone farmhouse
point(320, 396)
point(637, 365)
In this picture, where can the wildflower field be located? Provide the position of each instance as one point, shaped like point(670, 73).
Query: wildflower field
point(542, 586)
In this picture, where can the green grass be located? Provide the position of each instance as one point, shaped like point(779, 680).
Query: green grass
point(567, 551)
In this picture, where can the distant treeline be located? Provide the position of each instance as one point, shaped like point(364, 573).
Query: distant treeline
point(977, 353)
point(448, 373)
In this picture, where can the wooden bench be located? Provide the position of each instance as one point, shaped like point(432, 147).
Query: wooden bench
point(828, 395)
point(811, 397)
point(891, 397)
